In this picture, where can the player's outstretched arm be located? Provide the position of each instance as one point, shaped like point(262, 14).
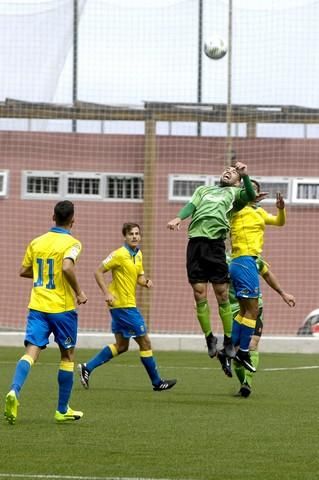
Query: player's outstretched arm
point(185, 212)
point(247, 194)
point(273, 282)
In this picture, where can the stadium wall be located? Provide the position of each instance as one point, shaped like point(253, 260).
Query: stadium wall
point(291, 251)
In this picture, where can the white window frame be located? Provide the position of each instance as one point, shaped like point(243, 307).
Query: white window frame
point(45, 174)
point(83, 175)
point(268, 179)
point(304, 181)
point(121, 175)
point(4, 174)
point(183, 177)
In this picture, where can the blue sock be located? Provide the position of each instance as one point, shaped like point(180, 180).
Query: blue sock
point(149, 363)
point(247, 331)
point(106, 354)
point(65, 381)
point(21, 373)
point(236, 330)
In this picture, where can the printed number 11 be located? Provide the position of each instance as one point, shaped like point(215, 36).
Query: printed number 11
point(39, 283)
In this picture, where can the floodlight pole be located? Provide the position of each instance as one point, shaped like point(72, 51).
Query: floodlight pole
point(75, 60)
point(229, 143)
point(200, 60)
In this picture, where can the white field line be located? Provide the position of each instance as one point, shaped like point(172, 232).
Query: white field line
point(71, 477)
point(180, 367)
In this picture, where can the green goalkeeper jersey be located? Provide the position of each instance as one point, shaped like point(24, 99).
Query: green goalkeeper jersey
point(213, 207)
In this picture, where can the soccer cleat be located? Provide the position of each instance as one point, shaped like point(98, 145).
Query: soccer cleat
point(11, 407)
point(211, 342)
point(164, 385)
point(84, 375)
point(244, 359)
point(244, 391)
point(229, 347)
point(69, 416)
point(225, 363)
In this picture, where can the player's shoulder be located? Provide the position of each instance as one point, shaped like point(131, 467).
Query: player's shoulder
point(39, 238)
point(262, 212)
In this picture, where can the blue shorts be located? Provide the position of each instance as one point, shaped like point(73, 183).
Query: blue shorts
point(244, 277)
point(128, 322)
point(40, 325)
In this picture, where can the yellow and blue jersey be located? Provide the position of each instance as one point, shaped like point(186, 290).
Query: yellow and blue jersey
point(248, 227)
point(51, 293)
point(126, 266)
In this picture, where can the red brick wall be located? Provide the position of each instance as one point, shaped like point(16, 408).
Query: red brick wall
point(291, 251)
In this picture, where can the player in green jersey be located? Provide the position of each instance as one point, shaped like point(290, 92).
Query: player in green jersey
point(210, 209)
point(245, 376)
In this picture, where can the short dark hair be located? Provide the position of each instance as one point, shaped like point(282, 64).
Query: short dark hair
point(127, 227)
point(257, 184)
point(63, 212)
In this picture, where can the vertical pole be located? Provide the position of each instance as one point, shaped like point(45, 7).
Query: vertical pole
point(229, 85)
point(75, 60)
point(200, 60)
point(148, 210)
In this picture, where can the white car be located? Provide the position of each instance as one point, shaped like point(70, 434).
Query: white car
point(310, 325)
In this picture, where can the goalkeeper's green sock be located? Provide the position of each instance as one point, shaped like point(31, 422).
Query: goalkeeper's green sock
point(203, 316)
point(239, 371)
point(226, 316)
point(254, 356)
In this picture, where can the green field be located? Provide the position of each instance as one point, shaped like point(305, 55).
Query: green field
point(198, 430)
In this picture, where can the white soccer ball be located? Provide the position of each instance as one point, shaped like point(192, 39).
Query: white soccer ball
point(215, 48)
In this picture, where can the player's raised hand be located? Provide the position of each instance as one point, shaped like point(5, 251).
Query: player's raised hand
point(260, 196)
point(280, 202)
point(241, 169)
point(174, 224)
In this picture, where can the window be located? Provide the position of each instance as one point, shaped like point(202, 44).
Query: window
point(305, 190)
point(182, 187)
point(272, 185)
point(124, 187)
point(40, 184)
point(4, 183)
point(84, 186)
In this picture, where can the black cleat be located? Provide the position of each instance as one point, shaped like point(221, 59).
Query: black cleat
point(244, 391)
point(164, 385)
point(229, 347)
point(225, 363)
point(84, 375)
point(244, 359)
point(211, 342)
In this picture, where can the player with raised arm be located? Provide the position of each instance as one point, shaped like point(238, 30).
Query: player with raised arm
point(49, 261)
point(247, 239)
point(126, 266)
point(210, 209)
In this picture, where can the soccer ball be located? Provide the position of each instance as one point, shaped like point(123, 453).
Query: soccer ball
point(215, 48)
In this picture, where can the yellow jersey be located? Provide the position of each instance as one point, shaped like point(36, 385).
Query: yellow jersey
point(247, 229)
point(51, 293)
point(126, 266)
